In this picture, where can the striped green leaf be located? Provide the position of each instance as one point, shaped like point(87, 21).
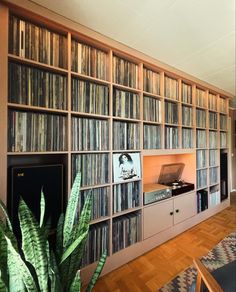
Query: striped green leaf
point(74, 261)
point(3, 253)
point(59, 239)
point(73, 246)
point(71, 211)
point(54, 274)
point(76, 284)
point(97, 272)
point(4, 210)
point(19, 274)
point(34, 244)
point(3, 286)
point(42, 208)
point(47, 228)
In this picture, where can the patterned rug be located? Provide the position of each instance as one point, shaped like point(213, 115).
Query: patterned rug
point(223, 253)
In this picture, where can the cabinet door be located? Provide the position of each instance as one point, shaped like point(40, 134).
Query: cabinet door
point(184, 207)
point(157, 217)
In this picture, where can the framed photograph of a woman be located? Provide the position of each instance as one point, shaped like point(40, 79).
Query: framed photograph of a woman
point(126, 166)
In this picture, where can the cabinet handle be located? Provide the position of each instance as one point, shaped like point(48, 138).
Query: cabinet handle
point(177, 210)
point(171, 213)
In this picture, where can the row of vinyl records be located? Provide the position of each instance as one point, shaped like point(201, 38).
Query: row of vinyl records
point(100, 202)
point(213, 175)
point(171, 88)
point(96, 244)
point(37, 43)
point(46, 132)
point(223, 140)
point(202, 200)
point(213, 139)
point(201, 141)
point(34, 87)
point(200, 97)
point(200, 118)
point(151, 81)
point(223, 122)
point(202, 158)
point(35, 132)
point(171, 138)
point(126, 196)
point(89, 134)
point(152, 110)
point(212, 101)
point(94, 168)
point(126, 135)
point(88, 97)
point(223, 105)
point(31, 86)
point(214, 198)
point(126, 104)
point(187, 116)
point(171, 112)
point(151, 136)
point(202, 177)
point(212, 120)
point(30, 41)
point(126, 231)
point(125, 72)
point(88, 60)
point(186, 93)
point(187, 138)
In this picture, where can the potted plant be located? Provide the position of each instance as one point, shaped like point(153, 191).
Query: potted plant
point(35, 265)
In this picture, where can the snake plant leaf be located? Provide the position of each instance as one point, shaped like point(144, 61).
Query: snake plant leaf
point(19, 274)
point(73, 246)
point(97, 272)
point(3, 254)
point(42, 208)
point(4, 210)
point(76, 284)
point(74, 261)
point(3, 287)
point(59, 236)
point(71, 211)
point(54, 274)
point(47, 228)
point(34, 244)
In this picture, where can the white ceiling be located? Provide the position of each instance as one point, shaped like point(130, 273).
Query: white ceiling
point(196, 36)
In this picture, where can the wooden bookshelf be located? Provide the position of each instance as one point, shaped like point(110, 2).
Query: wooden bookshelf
point(86, 101)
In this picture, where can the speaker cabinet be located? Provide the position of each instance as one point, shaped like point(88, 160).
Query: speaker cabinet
point(27, 182)
point(224, 175)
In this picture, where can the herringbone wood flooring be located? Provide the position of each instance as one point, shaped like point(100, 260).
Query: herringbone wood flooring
point(157, 267)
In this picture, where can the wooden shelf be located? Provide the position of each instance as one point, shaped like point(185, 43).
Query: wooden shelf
point(158, 156)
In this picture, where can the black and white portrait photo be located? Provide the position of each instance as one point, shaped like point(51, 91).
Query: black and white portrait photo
point(126, 166)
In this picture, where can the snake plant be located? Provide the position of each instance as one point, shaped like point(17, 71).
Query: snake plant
point(35, 266)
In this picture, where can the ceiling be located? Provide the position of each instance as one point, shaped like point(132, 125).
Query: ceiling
point(195, 36)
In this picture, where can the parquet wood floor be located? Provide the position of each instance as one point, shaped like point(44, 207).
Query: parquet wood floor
point(157, 267)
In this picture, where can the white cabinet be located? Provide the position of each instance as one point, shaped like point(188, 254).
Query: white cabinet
point(163, 215)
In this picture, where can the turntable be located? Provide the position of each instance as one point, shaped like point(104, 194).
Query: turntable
point(170, 176)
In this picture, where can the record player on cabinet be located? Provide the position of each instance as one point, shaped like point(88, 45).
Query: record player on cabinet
point(170, 176)
point(169, 184)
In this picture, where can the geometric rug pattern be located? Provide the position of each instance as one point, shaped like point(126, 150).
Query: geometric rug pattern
point(223, 253)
